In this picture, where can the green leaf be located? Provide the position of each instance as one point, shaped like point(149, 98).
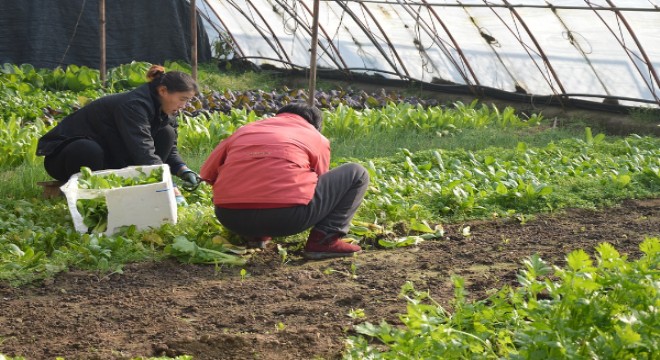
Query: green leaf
point(579, 260)
point(420, 226)
point(545, 190)
point(400, 242)
point(359, 230)
point(650, 247)
point(588, 136)
point(193, 253)
point(185, 246)
point(627, 335)
point(14, 249)
point(608, 253)
point(536, 266)
point(372, 101)
point(368, 329)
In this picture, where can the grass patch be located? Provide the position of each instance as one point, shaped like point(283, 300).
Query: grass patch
point(209, 77)
point(387, 143)
point(20, 182)
point(645, 114)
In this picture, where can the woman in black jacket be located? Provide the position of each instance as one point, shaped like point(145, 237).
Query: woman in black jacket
point(137, 127)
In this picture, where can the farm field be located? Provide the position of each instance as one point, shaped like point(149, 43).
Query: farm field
point(457, 190)
point(170, 308)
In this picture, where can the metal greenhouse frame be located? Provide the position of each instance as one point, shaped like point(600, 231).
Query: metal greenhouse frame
point(598, 51)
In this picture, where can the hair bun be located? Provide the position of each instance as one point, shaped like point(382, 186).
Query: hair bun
point(155, 71)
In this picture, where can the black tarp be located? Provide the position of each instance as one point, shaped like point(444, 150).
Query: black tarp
point(55, 33)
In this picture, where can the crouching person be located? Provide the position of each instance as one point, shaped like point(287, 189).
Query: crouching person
point(272, 178)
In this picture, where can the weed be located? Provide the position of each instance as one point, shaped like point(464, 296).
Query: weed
point(284, 255)
point(244, 274)
point(356, 313)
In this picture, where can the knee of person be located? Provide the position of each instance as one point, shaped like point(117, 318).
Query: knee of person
point(359, 171)
point(164, 140)
point(166, 134)
point(84, 149)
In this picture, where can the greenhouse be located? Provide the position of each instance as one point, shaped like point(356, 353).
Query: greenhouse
point(603, 51)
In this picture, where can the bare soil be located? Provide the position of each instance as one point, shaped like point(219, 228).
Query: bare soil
point(296, 310)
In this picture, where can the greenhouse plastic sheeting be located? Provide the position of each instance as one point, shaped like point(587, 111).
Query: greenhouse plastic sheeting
point(594, 50)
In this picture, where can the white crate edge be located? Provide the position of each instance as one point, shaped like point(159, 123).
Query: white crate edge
point(161, 194)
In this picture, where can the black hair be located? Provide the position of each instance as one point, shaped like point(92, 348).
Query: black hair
point(310, 113)
point(174, 81)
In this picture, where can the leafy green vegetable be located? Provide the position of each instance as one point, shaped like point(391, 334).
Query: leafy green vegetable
point(95, 211)
point(189, 251)
point(400, 242)
point(89, 180)
point(607, 309)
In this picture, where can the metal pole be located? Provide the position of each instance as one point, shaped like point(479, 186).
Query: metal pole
point(370, 35)
point(250, 19)
point(193, 38)
point(312, 61)
point(328, 38)
point(235, 44)
point(277, 40)
point(646, 58)
point(102, 61)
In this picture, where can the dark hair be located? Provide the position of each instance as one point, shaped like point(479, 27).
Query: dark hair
point(174, 81)
point(310, 113)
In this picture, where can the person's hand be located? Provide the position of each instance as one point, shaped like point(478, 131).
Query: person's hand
point(190, 180)
point(180, 201)
point(178, 197)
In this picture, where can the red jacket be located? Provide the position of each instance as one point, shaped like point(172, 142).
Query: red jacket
point(269, 163)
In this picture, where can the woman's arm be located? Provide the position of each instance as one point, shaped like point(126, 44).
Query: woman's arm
point(133, 123)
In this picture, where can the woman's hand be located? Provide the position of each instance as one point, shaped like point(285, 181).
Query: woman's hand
point(180, 200)
point(190, 180)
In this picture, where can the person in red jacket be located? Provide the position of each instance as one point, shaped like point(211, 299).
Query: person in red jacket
point(272, 178)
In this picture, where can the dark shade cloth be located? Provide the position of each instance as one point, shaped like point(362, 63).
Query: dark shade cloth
point(48, 34)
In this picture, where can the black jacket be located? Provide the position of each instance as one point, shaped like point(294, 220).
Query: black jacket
point(122, 124)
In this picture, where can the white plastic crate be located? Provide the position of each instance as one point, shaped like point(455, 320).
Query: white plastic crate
point(144, 206)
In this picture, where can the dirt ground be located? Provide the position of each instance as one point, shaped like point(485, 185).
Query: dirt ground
point(296, 310)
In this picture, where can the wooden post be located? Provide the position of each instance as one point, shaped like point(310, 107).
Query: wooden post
point(312, 61)
point(102, 64)
point(193, 38)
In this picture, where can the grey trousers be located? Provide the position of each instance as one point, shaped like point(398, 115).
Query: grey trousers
point(338, 194)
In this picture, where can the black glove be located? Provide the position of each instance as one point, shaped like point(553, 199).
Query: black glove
point(190, 180)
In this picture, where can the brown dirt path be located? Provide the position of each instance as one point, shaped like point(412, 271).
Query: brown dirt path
point(281, 311)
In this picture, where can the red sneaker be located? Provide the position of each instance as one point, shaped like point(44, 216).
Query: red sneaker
point(258, 242)
point(320, 246)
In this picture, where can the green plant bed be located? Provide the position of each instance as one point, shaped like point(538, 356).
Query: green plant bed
point(429, 165)
point(605, 309)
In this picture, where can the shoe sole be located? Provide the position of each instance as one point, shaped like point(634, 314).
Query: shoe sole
point(326, 255)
